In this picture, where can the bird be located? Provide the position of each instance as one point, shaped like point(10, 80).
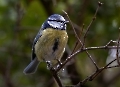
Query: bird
point(49, 43)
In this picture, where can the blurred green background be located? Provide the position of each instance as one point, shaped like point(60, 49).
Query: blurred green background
point(20, 20)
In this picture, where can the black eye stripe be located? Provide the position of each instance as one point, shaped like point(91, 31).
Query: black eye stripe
point(57, 21)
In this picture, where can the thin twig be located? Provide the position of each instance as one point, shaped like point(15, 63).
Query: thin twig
point(73, 27)
point(80, 40)
point(117, 53)
point(101, 47)
point(96, 66)
point(82, 29)
point(83, 50)
point(109, 42)
point(101, 69)
point(57, 79)
point(55, 75)
point(76, 44)
point(85, 35)
point(92, 76)
point(113, 66)
point(94, 17)
point(74, 47)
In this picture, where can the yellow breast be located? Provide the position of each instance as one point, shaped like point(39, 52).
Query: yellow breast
point(45, 47)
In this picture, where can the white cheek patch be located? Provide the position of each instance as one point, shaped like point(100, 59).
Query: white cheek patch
point(54, 24)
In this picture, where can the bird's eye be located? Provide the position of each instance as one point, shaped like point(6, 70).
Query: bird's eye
point(57, 21)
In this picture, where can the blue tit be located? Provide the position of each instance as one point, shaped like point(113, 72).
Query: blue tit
point(49, 44)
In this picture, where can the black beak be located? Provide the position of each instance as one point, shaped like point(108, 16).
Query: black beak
point(66, 22)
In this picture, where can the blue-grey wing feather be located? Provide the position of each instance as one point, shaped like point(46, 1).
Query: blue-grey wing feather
point(32, 67)
point(33, 46)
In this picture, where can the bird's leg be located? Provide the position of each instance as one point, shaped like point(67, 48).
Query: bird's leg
point(58, 63)
point(49, 64)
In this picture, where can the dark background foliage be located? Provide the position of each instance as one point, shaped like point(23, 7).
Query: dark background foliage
point(20, 20)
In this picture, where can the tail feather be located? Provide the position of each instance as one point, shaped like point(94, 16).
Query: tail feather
point(32, 67)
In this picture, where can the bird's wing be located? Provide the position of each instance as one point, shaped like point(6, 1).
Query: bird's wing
point(33, 46)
